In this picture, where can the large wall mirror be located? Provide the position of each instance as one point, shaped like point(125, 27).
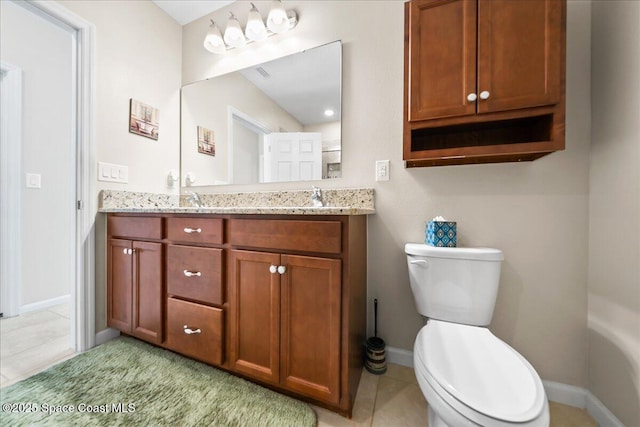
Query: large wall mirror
point(273, 122)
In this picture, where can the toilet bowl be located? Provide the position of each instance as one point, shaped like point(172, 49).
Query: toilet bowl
point(468, 375)
point(472, 378)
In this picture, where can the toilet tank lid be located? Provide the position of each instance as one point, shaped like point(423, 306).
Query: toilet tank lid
point(482, 254)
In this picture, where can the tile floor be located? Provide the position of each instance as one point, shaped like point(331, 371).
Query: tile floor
point(395, 399)
point(34, 341)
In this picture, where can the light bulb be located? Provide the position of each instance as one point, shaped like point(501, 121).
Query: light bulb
point(255, 30)
point(233, 33)
point(277, 21)
point(213, 41)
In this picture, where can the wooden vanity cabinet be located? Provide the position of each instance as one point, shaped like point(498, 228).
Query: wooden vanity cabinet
point(277, 299)
point(484, 80)
point(134, 277)
point(297, 291)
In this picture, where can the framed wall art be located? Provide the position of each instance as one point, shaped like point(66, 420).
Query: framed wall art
point(206, 144)
point(143, 119)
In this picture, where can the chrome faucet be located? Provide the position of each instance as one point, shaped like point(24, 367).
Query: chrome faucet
point(194, 198)
point(316, 196)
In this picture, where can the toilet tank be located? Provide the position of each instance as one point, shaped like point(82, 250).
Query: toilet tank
point(458, 285)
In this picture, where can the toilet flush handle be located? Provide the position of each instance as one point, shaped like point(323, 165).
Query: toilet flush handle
point(420, 262)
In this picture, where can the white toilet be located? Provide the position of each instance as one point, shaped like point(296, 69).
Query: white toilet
point(468, 376)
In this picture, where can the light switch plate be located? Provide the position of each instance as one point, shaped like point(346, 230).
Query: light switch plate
point(113, 173)
point(34, 180)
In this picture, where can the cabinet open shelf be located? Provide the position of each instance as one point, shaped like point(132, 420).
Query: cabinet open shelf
point(514, 131)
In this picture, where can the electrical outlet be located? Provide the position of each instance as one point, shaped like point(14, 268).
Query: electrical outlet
point(382, 170)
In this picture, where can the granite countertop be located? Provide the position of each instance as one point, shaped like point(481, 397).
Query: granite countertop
point(339, 202)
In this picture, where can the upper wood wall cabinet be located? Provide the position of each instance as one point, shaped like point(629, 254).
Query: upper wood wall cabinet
point(484, 80)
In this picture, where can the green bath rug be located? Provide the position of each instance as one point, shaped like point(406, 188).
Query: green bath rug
point(126, 382)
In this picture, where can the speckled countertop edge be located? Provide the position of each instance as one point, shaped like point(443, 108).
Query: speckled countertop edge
point(357, 201)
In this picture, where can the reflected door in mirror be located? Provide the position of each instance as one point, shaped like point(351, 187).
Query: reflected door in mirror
point(293, 156)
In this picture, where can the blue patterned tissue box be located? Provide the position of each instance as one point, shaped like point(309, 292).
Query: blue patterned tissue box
point(441, 234)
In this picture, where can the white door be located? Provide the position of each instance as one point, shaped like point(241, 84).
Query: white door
point(293, 156)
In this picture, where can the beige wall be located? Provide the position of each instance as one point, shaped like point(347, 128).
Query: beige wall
point(138, 55)
point(614, 209)
point(537, 213)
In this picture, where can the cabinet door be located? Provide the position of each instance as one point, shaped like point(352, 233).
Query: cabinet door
point(254, 314)
point(519, 53)
point(119, 284)
point(147, 291)
point(310, 322)
point(441, 65)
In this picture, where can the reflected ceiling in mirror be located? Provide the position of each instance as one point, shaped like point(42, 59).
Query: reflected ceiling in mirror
point(273, 122)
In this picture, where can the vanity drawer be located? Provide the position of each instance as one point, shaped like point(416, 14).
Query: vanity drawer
point(195, 273)
point(195, 230)
point(308, 236)
point(137, 227)
point(195, 330)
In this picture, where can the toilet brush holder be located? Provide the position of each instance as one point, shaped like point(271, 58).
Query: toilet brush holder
point(376, 359)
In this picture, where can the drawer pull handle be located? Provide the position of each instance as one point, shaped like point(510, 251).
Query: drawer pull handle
point(192, 273)
point(190, 331)
point(192, 230)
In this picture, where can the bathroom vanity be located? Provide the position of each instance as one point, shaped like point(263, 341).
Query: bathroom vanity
point(279, 299)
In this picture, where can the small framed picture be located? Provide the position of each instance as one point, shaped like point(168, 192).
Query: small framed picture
point(206, 144)
point(143, 119)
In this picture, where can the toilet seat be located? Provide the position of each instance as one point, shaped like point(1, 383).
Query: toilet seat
point(478, 374)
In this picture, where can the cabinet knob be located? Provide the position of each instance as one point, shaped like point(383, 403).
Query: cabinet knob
point(124, 251)
point(192, 230)
point(190, 331)
point(472, 97)
point(282, 269)
point(192, 273)
point(273, 269)
point(484, 94)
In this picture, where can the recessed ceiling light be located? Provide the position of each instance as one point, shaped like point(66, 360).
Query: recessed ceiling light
point(329, 112)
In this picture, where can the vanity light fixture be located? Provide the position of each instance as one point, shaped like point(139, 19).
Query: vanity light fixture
point(278, 21)
point(213, 41)
point(233, 35)
point(255, 30)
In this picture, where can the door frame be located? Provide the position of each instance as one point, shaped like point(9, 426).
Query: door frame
point(83, 297)
point(235, 115)
point(10, 194)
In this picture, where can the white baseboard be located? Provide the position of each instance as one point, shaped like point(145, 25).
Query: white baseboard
point(581, 398)
point(601, 413)
point(566, 394)
point(400, 356)
point(106, 335)
point(556, 392)
point(43, 305)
